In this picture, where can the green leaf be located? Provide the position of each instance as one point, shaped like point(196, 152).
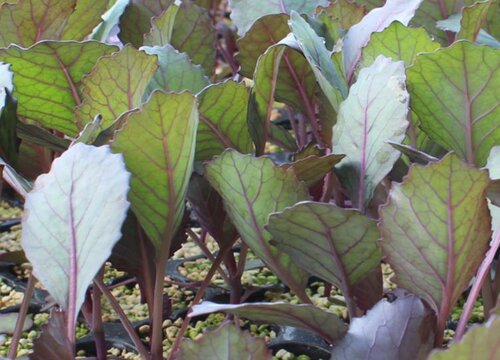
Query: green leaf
point(48, 78)
point(375, 21)
point(398, 42)
point(435, 230)
point(110, 19)
point(115, 85)
point(252, 188)
point(39, 136)
point(464, 74)
point(374, 112)
point(335, 244)
point(9, 142)
point(473, 18)
point(175, 71)
point(480, 342)
point(244, 13)
point(340, 16)
point(413, 154)
point(328, 75)
point(73, 218)
point(308, 317)
point(136, 20)
point(312, 169)
point(226, 343)
point(85, 17)
point(162, 27)
point(223, 120)
point(402, 328)
point(158, 144)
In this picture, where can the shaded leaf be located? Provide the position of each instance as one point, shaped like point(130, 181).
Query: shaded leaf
point(328, 75)
point(460, 74)
point(5, 83)
point(398, 42)
point(312, 169)
point(136, 19)
point(48, 78)
point(115, 85)
point(252, 188)
point(162, 27)
point(21, 185)
point(335, 244)
point(53, 342)
point(9, 142)
point(340, 16)
point(401, 329)
point(226, 343)
point(158, 145)
point(223, 120)
point(39, 136)
point(244, 14)
point(308, 317)
point(375, 21)
point(175, 71)
point(110, 19)
point(435, 230)
point(473, 18)
point(413, 154)
point(71, 227)
point(374, 112)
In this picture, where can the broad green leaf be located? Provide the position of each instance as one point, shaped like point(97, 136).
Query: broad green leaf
point(115, 85)
point(226, 343)
point(175, 71)
point(330, 79)
point(335, 244)
point(454, 93)
point(280, 136)
point(473, 18)
point(85, 17)
point(309, 317)
point(158, 144)
point(400, 329)
point(72, 220)
point(136, 19)
point(223, 120)
point(435, 230)
point(312, 169)
point(245, 13)
point(48, 78)
point(162, 27)
point(480, 342)
point(398, 42)
point(340, 16)
point(110, 19)
point(252, 188)
point(374, 112)
point(375, 21)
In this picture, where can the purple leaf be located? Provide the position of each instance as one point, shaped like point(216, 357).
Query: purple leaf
point(53, 343)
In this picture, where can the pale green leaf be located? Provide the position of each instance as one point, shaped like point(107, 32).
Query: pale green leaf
point(162, 27)
point(158, 143)
point(85, 17)
point(374, 112)
point(473, 18)
point(110, 19)
point(72, 220)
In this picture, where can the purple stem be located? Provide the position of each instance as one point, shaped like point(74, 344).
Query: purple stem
point(484, 270)
point(97, 327)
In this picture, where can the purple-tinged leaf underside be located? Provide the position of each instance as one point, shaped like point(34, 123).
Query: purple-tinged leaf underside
point(226, 343)
point(335, 244)
point(223, 120)
point(158, 143)
point(375, 21)
point(435, 230)
point(116, 85)
point(252, 188)
point(53, 343)
point(400, 329)
point(48, 78)
point(454, 92)
point(309, 317)
point(374, 112)
point(73, 218)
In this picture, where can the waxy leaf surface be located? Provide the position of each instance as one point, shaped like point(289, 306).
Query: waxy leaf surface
point(48, 78)
point(375, 21)
point(401, 329)
point(335, 244)
point(398, 42)
point(245, 13)
point(454, 92)
point(435, 230)
point(115, 85)
point(73, 218)
point(223, 120)
point(252, 188)
point(158, 144)
point(226, 343)
point(175, 71)
point(374, 112)
point(309, 317)
point(110, 19)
